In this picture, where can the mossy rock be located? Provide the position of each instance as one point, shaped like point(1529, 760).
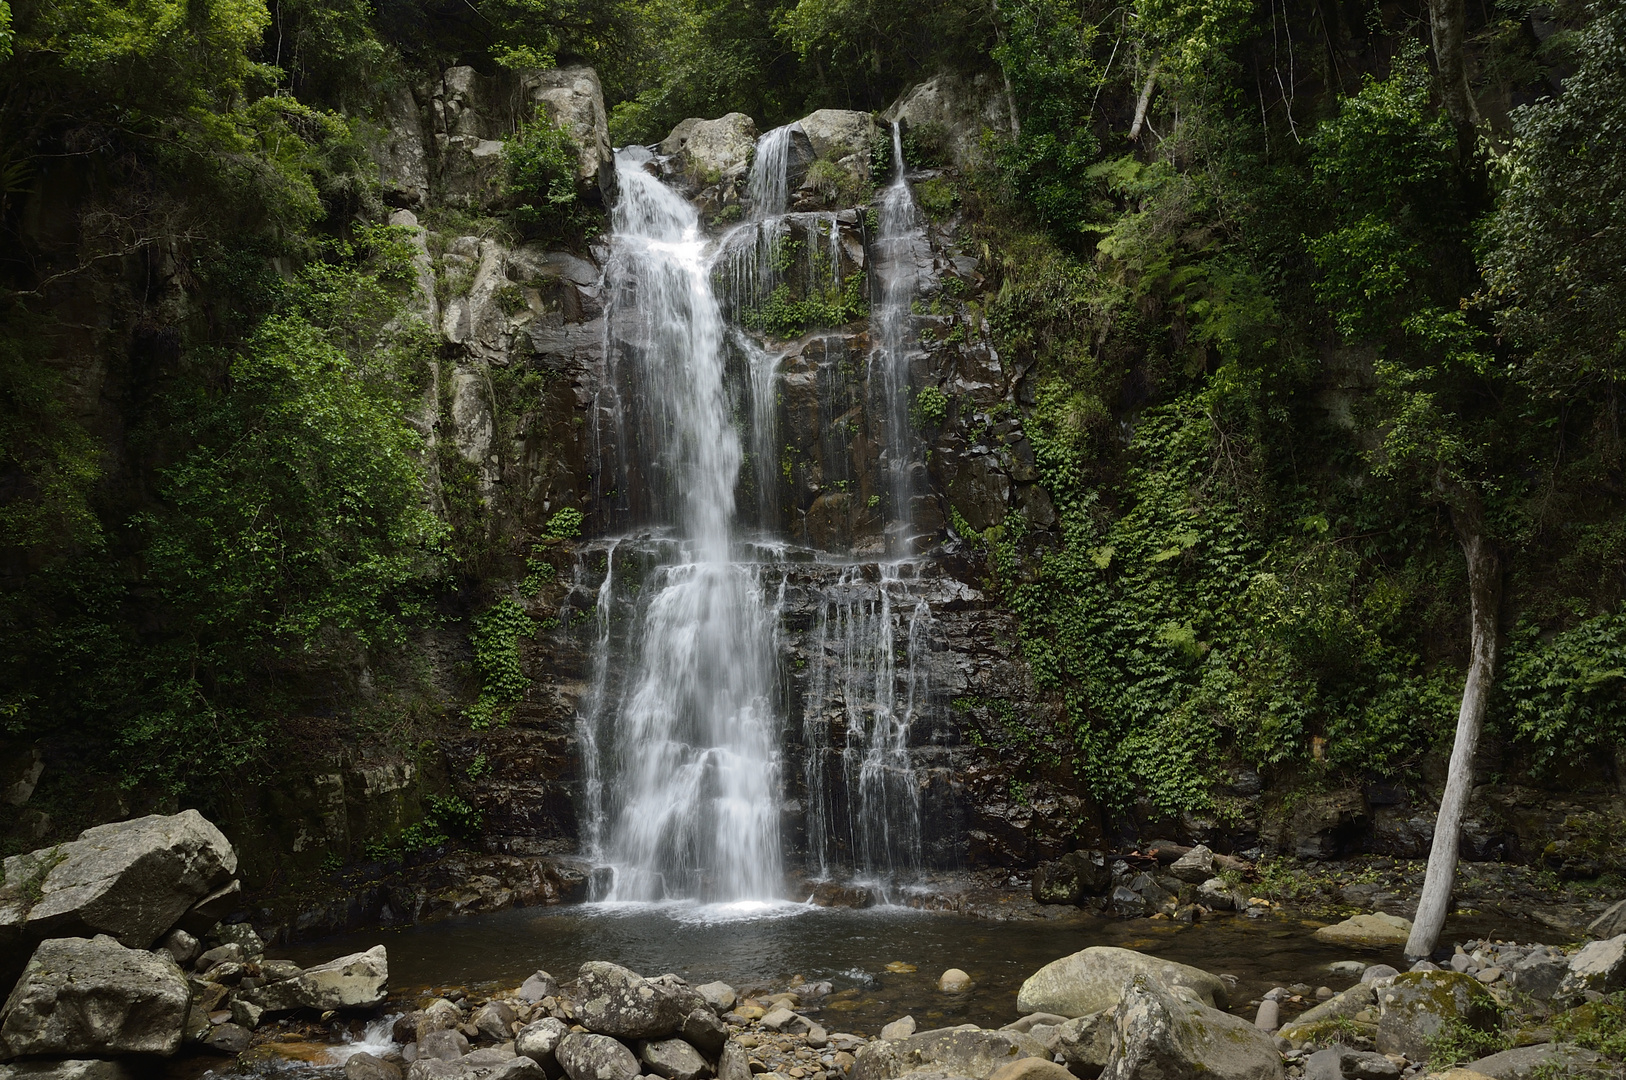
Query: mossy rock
point(1418, 1006)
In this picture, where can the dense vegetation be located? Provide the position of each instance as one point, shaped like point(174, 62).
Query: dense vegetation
point(1298, 321)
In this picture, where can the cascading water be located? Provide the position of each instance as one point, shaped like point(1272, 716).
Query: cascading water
point(897, 247)
point(686, 750)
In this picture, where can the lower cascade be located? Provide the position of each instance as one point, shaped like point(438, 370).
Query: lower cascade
point(719, 748)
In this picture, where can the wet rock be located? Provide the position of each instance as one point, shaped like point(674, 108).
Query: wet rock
point(596, 1057)
point(1071, 878)
point(447, 1044)
point(1417, 1005)
point(898, 1029)
point(673, 1059)
point(949, 1051)
point(357, 981)
point(954, 981)
point(539, 986)
point(719, 995)
point(539, 1040)
point(228, 1038)
point(1374, 931)
point(80, 996)
point(73, 1069)
point(132, 880)
point(1195, 866)
point(1125, 903)
point(1091, 980)
point(1544, 1059)
point(1599, 966)
point(616, 1001)
point(364, 1066)
point(708, 1033)
point(494, 1020)
point(1161, 1034)
point(1085, 1043)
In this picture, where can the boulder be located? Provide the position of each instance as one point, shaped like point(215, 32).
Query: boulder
point(1056, 883)
point(574, 99)
point(1348, 1005)
point(954, 981)
point(438, 1015)
point(243, 936)
point(673, 1059)
point(1372, 931)
point(615, 1001)
point(228, 1038)
point(85, 996)
point(713, 149)
point(1342, 1063)
point(357, 981)
point(72, 1069)
point(364, 1066)
point(901, 1028)
point(719, 995)
point(1599, 965)
point(447, 1044)
point(1195, 866)
point(959, 108)
point(539, 986)
point(595, 1057)
point(1159, 1034)
point(1612, 923)
point(1215, 895)
point(131, 880)
point(539, 1040)
point(1093, 979)
point(1126, 903)
point(1542, 1060)
point(1032, 1069)
point(1085, 1043)
point(841, 133)
point(966, 1052)
point(1416, 1005)
point(705, 1030)
point(733, 1063)
point(494, 1020)
point(482, 1065)
point(182, 947)
point(1539, 974)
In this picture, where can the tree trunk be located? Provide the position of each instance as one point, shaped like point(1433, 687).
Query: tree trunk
point(1484, 598)
point(1143, 104)
point(1448, 20)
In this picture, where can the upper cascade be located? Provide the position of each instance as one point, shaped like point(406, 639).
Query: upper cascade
point(768, 185)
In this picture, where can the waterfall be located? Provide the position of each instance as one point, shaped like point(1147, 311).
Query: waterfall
point(768, 184)
point(856, 681)
point(897, 247)
point(686, 750)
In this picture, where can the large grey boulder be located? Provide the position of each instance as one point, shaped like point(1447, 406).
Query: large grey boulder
point(1599, 965)
point(482, 1065)
point(615, 1001)
point(1093, 979)
point(1367, 931)
point(72, 1069)
point(713, 150)
point(357, 981)
point(960, 107)
point(595, 1057)
point(1195, 866)
point(705, 1030)
point(673, 1059)
point(1611, 923)
point(1160, 1034)
point(1539, 973)
point(132, 880)
point(539, 1040)
point(1542, 1060)
point(968, 1052)
point(574, 100)
point(1085, 1043)
point(1416, 1006)
point(93, 996)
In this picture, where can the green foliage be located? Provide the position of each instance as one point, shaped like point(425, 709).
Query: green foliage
point(564, 525)
point(785, 317)
point(495, 638)
point(930, 408)
point(444, 817)
point(1597, 1025)
point(937, 197)
point(539, 175)
point(1564, 700)
point(1458, 1042)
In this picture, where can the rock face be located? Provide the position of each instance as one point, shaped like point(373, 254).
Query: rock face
point(596, 1057)
point(93, 996)
point(960, 107)
point(949, 1051)
point(1416, 1005)
point(132, 880)
point(1089, 981)
point(1371, 931)
point(622, 1003)
point(1160, 1035)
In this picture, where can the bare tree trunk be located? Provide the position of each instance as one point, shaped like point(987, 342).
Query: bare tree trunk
point(1143, 104)
point(1484, 598)
point(1448, 20)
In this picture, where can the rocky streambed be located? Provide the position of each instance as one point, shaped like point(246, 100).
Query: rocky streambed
point(124, 968)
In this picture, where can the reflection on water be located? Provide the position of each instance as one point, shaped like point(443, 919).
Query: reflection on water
point(771, 943)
